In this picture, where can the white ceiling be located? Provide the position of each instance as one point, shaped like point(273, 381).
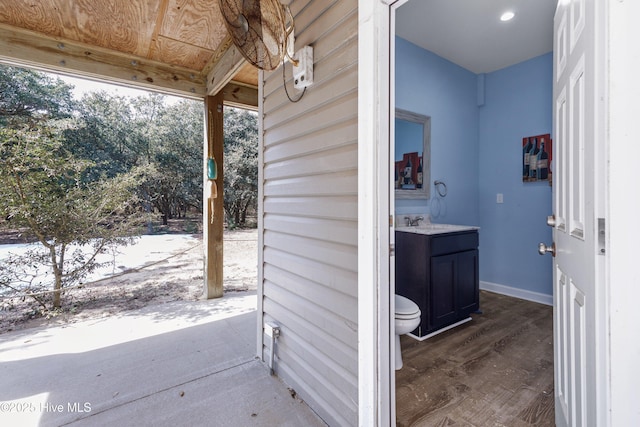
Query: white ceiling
point(469, 32)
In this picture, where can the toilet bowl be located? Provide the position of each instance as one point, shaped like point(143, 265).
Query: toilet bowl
point(407, 318)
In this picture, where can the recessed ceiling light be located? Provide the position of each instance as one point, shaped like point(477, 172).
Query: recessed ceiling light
point(507, 16)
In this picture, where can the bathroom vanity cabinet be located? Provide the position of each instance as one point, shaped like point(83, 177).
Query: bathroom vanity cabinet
point(439, 272)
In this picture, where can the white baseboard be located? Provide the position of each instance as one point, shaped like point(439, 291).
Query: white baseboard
point(439, 331)
point(517, 293)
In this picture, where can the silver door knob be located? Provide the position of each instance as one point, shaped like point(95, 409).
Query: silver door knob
point(551, 220)
point(544, 249)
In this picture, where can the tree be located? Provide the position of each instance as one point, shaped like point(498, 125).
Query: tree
point(105, 134)
point(119, 133)
point(240, 165)
point(26, 94)
point(45, 190)
point(176, 156)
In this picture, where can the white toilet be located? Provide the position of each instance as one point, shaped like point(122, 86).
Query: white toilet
point(407, 319)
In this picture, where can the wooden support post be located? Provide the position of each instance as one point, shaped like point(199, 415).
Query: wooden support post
point(213, 228)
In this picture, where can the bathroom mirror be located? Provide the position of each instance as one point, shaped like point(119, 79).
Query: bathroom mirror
point(412, 155)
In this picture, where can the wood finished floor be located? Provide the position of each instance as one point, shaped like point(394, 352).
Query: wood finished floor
point(496, 370)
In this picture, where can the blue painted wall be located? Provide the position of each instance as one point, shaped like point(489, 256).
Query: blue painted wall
point(518, 103)
point(430, 85)
point(477, 125)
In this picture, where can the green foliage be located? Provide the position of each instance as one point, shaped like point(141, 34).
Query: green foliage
point(105, 134)
point(80, 176)
point(45, 191)
point(27, 94)
point(240, 165)
point(118, 134)
point(176, 154)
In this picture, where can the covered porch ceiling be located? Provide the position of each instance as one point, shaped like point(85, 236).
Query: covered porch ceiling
point(179, 47)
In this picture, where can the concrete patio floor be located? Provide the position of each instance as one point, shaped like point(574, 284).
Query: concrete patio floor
point(175, 364)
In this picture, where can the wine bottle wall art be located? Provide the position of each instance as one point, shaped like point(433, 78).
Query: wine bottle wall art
point(537, 153)
point(409, 172)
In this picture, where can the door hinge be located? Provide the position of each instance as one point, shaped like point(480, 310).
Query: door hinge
point(601, 236)
point(392, 249)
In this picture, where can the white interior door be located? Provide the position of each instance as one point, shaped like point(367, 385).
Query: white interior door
point(578, 187)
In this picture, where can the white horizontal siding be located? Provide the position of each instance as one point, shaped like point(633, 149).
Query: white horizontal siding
point(314, 141)
point(322, 229)
point(340, 86)
point(321, 330)
point(334, 255)
point(313, 163)
point(323, 294)
point(314, 270)
point(335, 207)
point(345, 107)
point(309, 212)
point(336, 184)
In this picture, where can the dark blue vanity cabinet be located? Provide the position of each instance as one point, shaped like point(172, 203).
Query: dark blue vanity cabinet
point(439, 272)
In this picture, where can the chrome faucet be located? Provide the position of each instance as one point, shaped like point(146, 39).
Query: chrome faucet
point(413, 222)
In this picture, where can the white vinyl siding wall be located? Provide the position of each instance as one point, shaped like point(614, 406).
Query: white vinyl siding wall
point(309, 220)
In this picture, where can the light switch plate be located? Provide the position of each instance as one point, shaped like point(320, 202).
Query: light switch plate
point(499, 198)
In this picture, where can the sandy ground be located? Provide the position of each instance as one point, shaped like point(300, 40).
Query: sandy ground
point(175, 273)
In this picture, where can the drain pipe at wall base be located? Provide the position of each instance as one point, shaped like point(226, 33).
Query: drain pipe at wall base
point(273, 332)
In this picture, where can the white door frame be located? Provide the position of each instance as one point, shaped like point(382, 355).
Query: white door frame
point(374, 321)
point(623, 59)
point(622, 206)
point(623, 276)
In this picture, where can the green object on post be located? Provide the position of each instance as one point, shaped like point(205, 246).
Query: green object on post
point(212, 168)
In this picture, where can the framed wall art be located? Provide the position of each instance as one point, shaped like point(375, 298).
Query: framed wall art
point(536, 158)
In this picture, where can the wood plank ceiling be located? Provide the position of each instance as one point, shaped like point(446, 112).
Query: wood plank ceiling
point(174, 46)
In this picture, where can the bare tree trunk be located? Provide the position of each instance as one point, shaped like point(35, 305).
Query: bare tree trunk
point(57, 294)
point(57, 273)
point(245, 207)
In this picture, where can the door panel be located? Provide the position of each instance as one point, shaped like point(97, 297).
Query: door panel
point(577, 20)
point(561, 159)
point(442, 300)
point(467, 282)
point(579, 353)
point(576, 148)
point(578, 264)
point(561, 295)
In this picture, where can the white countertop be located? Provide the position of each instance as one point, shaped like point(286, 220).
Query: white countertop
point(431, 229)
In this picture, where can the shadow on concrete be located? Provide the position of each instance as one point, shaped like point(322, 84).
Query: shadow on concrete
point(183, 364)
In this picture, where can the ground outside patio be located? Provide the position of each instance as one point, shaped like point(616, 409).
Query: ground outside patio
point(142, 347)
